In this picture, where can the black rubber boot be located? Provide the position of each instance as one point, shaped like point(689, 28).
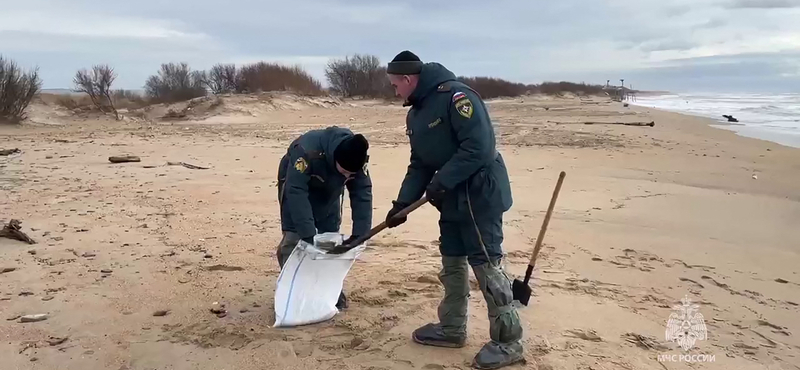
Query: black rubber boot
point(494, 355)
point(342, 302)
point(432, 335)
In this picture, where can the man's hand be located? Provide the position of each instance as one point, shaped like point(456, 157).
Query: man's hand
point(309, 240)
point(349, 240)
point(392, 221)
point(434, 194)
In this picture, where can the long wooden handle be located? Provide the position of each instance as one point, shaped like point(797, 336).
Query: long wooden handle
point(546, 220)
point(375, 230)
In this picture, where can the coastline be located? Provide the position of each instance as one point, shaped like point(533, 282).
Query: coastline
point(646, 216)
point(752, 126)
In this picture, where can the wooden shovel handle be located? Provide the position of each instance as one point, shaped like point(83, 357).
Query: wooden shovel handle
point(540, 238)
point(382, 225)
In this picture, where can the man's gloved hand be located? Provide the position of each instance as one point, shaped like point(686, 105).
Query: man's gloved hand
point(434, 193)
point(349, 240)
point(309, 240)
point(392, 221)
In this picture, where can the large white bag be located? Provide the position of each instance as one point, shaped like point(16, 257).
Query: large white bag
point(310, 282)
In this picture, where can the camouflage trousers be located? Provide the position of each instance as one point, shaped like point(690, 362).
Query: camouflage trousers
point(504, 322)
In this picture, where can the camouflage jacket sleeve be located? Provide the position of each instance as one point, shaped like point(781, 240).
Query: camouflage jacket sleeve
point(474, 135)
point(296, 192)
point(417, 179)
point(360, 190)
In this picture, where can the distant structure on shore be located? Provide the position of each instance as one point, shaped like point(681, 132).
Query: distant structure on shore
point(620, 93)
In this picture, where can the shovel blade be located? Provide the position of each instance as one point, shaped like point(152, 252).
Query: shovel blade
point(339, 249)
point(522, 292)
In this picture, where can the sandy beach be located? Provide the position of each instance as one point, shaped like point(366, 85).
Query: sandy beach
point(646, 216)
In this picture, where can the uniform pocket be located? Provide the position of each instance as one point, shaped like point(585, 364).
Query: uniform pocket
point(489, 190)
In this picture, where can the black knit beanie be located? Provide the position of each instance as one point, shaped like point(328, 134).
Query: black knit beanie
point(351, 153)
point(405, 63)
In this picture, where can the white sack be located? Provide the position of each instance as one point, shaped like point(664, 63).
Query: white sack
point(310, 282)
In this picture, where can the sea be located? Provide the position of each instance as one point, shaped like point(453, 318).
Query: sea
point(772, 117)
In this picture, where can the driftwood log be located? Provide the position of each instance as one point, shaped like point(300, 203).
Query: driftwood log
point(187, 165)
point(124, 159)
point(651, 123)
point(13, 230)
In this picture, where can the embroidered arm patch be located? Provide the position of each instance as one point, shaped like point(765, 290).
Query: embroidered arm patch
point(300, 165)
point(464, 107)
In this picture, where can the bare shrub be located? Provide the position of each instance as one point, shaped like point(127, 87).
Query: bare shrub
point(263, 76)
point(67, 101)
point(491, 87)
point(558, 88)
point(222, 79)
point(17, 90)
point(128, 99)
point(358, 75)
point(97, 85)
point(174, 83)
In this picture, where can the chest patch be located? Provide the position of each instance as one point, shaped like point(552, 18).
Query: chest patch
point(435, 123)
point(464, 107)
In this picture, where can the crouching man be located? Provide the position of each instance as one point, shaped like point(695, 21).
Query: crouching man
point(312, 176)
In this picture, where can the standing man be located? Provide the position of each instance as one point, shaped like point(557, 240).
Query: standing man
point(454, 163)
point(312, 176)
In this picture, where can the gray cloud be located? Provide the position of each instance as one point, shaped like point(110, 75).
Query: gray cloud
point(712, 23)
point(669, 44)
point(514, 39)
point(764, 4)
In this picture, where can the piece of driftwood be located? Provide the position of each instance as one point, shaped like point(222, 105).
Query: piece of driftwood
point(124, 159)
point(187, 165)
point(13, 231)
point(5, 152)
point(730, 118)
point(651, 123)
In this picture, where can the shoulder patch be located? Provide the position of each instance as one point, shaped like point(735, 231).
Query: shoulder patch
point(464, 107)
point(459, 95)
point(300, 165)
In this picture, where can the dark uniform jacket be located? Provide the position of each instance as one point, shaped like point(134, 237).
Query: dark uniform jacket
point(453, 144)
point(310, 189)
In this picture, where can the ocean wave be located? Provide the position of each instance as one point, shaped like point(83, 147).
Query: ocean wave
point(777, 114)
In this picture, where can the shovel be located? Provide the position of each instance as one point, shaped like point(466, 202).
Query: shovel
point(522, 291)
point(339, 249)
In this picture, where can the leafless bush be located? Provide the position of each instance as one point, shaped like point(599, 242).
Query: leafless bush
point(75, 102)
point(17, 90)
point(175, 82)
point(557, 88)
point(222, 79)
point(358, 75)
point(67, 101)
point(128, 99)
point(263, 76)
point(491, 87)
point(97, 85)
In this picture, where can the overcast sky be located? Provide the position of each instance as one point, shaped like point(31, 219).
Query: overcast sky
point(676, 45)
